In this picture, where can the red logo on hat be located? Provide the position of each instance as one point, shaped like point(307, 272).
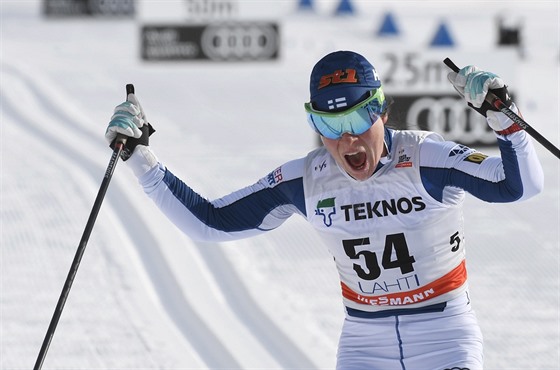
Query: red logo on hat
point(337, 77)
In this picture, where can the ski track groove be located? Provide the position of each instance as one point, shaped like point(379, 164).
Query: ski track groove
point(177, 307)
point(181, 312)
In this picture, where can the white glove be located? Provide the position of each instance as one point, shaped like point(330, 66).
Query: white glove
point(127, 120)
point(473, 84)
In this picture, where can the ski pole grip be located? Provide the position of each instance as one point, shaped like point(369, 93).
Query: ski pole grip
point(448, 62)
point(129, 89)
point(121, 139)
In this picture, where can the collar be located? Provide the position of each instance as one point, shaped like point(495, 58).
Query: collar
point(388, 142)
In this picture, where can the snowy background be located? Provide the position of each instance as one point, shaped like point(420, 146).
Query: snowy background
point(147, 297)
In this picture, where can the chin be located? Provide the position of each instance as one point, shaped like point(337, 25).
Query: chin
point(359, 174)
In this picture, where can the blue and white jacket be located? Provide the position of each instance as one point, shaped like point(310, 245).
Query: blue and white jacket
point(397, 238)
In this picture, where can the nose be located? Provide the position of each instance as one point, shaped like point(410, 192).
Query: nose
point(348, 137)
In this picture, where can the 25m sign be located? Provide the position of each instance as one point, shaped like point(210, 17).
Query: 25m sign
point(232, 41)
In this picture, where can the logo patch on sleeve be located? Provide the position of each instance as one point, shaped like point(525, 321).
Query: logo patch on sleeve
point(476, 157)
point(275, 177)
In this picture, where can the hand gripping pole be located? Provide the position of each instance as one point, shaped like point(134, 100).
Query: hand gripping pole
point(499, 104)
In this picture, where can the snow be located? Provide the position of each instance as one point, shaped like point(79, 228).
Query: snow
point(145, 295)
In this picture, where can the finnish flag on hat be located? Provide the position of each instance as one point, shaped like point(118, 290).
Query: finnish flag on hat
point(340, 80)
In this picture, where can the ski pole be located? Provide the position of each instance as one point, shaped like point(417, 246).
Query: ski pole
point(119, 145)
point(499, 104)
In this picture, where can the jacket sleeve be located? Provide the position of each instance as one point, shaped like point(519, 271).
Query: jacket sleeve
point(516, 174)
point(246, 212)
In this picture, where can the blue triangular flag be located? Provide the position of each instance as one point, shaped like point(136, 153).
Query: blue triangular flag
point(305, 4)
point(344, 7)
point(388, 27)
point(442, 37)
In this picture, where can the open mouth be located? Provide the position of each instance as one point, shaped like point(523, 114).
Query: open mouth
point(357, 161)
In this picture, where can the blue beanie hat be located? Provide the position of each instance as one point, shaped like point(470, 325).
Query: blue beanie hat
point(340, 80)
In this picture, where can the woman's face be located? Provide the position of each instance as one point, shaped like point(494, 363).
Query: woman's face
point(359, 155)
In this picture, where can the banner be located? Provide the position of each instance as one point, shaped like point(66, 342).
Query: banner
point(65, 8)
point(231, 41)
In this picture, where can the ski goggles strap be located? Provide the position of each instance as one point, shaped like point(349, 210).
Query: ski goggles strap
point(355, 120)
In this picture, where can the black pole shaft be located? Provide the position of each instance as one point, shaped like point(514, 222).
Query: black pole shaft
point(78, 256)
point(499, 104)
point(119, 145)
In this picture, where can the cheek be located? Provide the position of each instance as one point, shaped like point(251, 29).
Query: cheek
point(331, 145)
point(332, 148)
point(377, 137)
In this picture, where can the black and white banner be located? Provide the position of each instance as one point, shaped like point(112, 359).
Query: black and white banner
point(65, 8)
point(231, 41)
point(448, 115)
